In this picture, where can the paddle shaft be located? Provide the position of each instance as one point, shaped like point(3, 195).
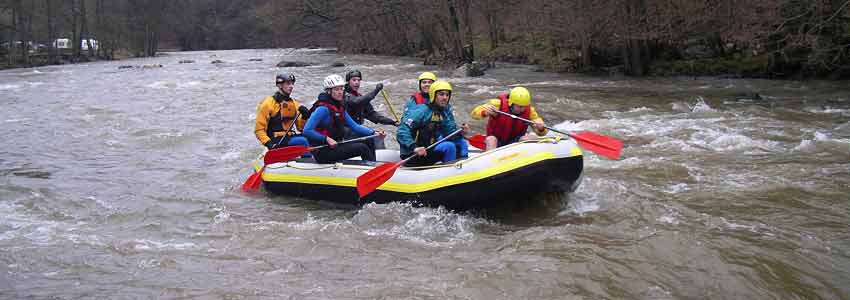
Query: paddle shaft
point(286, 134)
point(432, 145)
point(345, 141)
point(384, 94)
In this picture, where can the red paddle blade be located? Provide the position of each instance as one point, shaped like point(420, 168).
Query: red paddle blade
point(600, 144)
point(284, 154)
point(371, 180)
point(478, 141)
point(253, 182)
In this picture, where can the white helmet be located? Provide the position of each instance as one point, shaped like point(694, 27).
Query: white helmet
point(333, 80)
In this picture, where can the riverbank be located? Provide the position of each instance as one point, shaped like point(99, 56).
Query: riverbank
point(42, 59)
point(695, 59)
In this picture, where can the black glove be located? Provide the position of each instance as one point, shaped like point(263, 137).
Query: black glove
point(379, 87)
point(305, 113)
point(270, 144)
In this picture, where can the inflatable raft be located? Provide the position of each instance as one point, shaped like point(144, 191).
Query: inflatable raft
point(514, 172)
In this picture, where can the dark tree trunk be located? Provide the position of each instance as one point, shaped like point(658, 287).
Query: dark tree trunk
point(84, 28)
point(76, 41)
point(51, 32)
point(455, 36)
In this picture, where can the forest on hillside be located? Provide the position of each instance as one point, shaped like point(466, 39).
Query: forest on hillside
point(742, 38)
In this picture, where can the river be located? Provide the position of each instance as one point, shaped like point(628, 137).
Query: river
point(124, 184)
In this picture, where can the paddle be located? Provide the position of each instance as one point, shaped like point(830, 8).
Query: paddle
point(603, 145)
point(253, 182)
point(478, 141)
point(291, 152)
point(384, 93)
point(373, 179)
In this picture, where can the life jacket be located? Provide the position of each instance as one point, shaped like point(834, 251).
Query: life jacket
point(420, 98)
point(336, 128)
point(505, 128)
point(427, 135)
point(355, 111)
point(281, 121)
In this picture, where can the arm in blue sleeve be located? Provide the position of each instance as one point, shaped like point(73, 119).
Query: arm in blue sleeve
point(319, 115)
point(404, 135)
point(359, 129)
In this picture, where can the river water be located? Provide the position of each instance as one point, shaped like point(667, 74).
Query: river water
point(123, 184)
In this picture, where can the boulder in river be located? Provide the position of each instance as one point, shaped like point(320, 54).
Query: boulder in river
point(293, 64)
point(217, 61)
point(187, 61)
point(337, 65)
point(473, 69)
point(256, 59)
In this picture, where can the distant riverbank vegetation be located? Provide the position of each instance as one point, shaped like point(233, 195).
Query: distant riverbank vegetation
point(738, 38)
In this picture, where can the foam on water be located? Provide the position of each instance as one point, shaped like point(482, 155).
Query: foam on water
point(6, 87)
point(144, 245)
point(426, 226)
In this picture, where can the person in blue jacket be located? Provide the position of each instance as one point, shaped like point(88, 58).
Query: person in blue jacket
point(327, 123)
point(423, 125)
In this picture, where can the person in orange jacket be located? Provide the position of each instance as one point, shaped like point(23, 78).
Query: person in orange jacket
point(503, 130)
point(276, 113)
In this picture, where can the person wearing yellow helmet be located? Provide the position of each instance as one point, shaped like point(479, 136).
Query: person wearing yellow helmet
point(503, 130)
point(421, 96)
point(423, 125)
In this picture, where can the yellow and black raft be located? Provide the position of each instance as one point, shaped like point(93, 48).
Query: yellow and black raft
point(514, 172)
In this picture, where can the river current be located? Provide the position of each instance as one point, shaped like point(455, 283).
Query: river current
point(123, 183)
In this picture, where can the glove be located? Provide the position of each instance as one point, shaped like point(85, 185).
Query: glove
point(270, 144)
point(305, 113)
point(379, 87)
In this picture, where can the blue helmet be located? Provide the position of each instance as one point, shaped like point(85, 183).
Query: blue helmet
point(283, 77)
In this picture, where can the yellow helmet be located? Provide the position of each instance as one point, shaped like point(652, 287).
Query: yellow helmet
point(519, 96)
point(439, 86)
point(427, 75)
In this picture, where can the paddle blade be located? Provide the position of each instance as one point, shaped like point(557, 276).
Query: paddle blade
point(600, 144)
point(253, 182)
point(284, 154)
point(478, 141)
point(371, 180)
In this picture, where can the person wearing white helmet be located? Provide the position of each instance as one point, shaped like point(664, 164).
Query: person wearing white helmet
point(276, 115)
point(328, 122)
point(502, 129)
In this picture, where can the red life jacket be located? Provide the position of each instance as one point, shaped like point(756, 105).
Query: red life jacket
point(336, 128)
point(505, 128)
point(420, 98)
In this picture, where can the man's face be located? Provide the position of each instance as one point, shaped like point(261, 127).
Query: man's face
point(517, 109)
point(336, 92)
point(442, 98)
point(286, 87)
point(425, 84)
point(354, 83)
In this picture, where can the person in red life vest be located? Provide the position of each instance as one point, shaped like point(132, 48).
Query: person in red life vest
point(328, 122)
point(360, 108)
point(426, 79)
point(503, 130)
point(275, 115)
